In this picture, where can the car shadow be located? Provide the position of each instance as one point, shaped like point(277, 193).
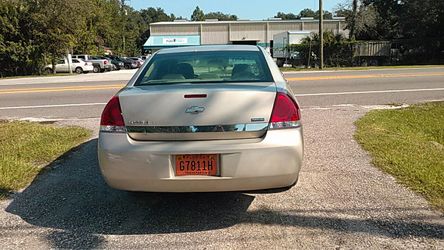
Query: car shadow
point(72, 195)
point(72, 198)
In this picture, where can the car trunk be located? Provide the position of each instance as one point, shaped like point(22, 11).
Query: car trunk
point(198, 111)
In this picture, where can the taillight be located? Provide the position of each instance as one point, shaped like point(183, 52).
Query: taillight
point(105, 62)
point(112, 119)
point(86, 64)
point(286, 113)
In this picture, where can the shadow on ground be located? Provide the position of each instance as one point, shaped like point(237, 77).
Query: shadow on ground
point(72, 199)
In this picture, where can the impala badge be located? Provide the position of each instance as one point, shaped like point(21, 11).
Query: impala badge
point(194, 110)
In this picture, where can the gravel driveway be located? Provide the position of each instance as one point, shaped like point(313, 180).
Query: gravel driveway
point(341, 201)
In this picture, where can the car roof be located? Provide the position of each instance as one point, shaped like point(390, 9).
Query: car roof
point(209, 48)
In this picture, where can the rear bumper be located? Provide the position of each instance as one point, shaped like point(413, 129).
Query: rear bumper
point(252, 164)
point(118, 65)
point(88, 68)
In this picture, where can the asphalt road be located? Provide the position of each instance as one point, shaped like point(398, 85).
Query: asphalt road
point(340, 201)
point(84, 96)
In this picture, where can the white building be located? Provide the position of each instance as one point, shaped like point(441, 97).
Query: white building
point(188, 33)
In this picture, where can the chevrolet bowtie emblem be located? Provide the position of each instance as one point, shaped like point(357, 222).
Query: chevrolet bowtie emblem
point(194, 110)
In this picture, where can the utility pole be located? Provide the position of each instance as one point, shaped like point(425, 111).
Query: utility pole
point(124, 13)
point(69, 59)
point(321, 36)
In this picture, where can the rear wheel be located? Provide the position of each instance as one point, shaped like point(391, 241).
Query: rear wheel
point(96, 69)
point(79, 70)
point(48, 71)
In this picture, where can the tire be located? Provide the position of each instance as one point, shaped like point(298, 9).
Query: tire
point(127, 66)
point(48, 71)
point(79, 70)
point(96, 69)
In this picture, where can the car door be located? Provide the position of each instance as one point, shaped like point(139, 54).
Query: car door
point(62, 66)
point(75, 63)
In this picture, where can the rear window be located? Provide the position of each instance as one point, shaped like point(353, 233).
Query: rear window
point(205, 67)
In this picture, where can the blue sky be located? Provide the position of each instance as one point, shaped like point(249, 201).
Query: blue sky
point(244, 9)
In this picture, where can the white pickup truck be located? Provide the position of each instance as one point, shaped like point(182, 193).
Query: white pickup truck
point(100, 65)
point(77, 65)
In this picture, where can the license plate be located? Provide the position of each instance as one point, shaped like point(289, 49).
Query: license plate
point(203, 164)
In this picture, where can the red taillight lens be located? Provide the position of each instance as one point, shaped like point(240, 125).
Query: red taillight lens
point(285, 113)
point(112, 119)
point(105, 62)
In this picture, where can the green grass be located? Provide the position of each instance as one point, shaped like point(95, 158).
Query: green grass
point(363, 68)
point(26, 147)
point(408, 143)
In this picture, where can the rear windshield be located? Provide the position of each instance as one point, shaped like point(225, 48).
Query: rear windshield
point(205, 67)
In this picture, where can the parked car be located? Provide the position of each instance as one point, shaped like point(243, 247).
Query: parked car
point(116, 62)
point(104, 58)
point(77, 65)
point(100, 65)
point(139, 60)
point(130, 63)
point(203, 119)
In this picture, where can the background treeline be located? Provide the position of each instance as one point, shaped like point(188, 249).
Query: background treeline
point(385, 19)
point(394, 19)
point(35, 32)
point(199, 15)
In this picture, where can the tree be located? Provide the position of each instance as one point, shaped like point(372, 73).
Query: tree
point(220, 16)
point(362, 24)
point(307, 13)
point(198, 15)
point(365, 24)
point(388, 17)
point(337, 50)
point(150, 15)
point(352, 17)
point(19, 54)
point(53, 28)
point(422, 18)
point(327, 14)
point(286, 16)
point(315, 14)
